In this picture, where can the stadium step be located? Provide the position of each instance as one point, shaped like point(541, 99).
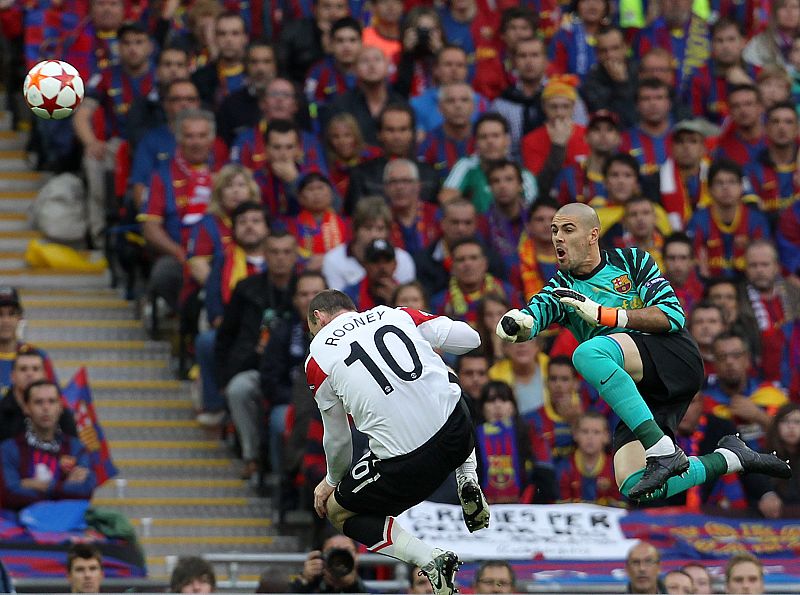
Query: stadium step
point(178, 482)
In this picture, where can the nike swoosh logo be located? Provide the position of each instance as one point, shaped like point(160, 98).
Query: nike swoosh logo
point(602, 382)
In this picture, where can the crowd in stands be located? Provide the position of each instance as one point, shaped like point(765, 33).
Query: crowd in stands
point(413, 153)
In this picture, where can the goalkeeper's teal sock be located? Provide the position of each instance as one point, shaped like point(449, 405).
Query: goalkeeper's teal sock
point(600, 361)
point(702, 469)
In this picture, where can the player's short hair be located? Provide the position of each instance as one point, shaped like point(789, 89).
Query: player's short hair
point(495, 564)
point(677, 237)
point(724, 165)
point(737, 559)
point(191, 568)
point(84, 551)
point(330, 301)
point(26, 395)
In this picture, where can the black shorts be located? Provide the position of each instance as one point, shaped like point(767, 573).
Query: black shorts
point(673, 373)
point(387, 487)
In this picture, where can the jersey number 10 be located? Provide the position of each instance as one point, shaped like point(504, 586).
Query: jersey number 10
point(357, 353)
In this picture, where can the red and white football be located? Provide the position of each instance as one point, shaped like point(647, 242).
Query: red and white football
point(53, 89)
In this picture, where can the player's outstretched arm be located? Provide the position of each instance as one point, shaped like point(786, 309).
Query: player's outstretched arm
point(544, 309)
point(452, 336)
point(337, 442)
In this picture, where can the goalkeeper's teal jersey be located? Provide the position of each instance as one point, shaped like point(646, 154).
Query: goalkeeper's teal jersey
point(627, 278)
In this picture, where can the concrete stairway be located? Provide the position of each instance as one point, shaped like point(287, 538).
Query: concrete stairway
point(177, 483)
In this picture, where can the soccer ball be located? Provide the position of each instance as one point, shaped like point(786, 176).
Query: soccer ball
point(53, 89)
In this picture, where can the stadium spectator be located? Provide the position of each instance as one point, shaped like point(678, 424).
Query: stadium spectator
point(730, 297)
point(470, 280)
point(452, 139)
point(282, 364)
point(772, 46)
point(343, 265)
point(378, 285)
point(11, 328)
point(415, 224)
point(451, 67)
point(562, 408)
point(560, 141)
point(84, 568)
point(147, 112)
point(701, 578)
point(710, 85)
point(331, 569)
point(179, 195)
point(335, 74)
point(192, 29)
point(317, 227)
point(370, 97)
point(733, 393)
point(572, 48)
point(680, 271)
point(490, 311)
point(643, 565)
point(650, 141)
point(744, 139)
point(610, 84)
point(157, 145)
point(112, 92)
point(683, 178)
point(507, 216)
point(192, 574)
point(473, 374)
point(410, 295)
point(344, 149)
point(415, 68)
point(775, 86)
point(588, 475)
point(303, 41)
point(584, 181)
point(226, 73)
point(783, 437)
point(677, 582)
point(468, 178)
point(537, 254)
point(772, 171)
point(43, 463)
point(396, 138)
point(241, 337)
point(383, 31)
point(638, 229)
point(658, 63)
point(521, 102)
point(240, 109)
point(418, 583)
point(706, 321)
point(776, 304)
point(523, 369)
point(495, 576)
point(744, 575)
point(721, 231)
point(29, 366)
point(513, 467)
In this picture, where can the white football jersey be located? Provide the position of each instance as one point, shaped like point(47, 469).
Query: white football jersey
point(382, 365)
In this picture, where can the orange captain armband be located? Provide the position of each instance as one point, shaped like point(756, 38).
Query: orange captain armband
point(607, 316)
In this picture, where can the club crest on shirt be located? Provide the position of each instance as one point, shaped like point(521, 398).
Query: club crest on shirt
point(622, 284)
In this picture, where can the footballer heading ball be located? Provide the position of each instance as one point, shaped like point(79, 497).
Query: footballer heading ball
point(53, 89)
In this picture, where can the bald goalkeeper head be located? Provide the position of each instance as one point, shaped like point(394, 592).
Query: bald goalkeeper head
point(576, 236)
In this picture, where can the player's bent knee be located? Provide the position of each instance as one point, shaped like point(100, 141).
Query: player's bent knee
point(336, 514)
point(587, 353)
point(628, 459)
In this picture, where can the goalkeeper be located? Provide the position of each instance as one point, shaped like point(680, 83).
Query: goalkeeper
point(635, 351)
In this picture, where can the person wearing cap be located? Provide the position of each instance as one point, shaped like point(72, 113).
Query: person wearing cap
point(11, 319)
point(469, 282)
point(709, 87)
point(683, 179)
point(772, 173)
point(378, 285)
point(560, 141)
point(317, 227)
point(610, 84)
point(415, 223)
point(344, 265)
point(584, 181)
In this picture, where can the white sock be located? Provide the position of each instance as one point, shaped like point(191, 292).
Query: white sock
point(403, 546)
point(468, 469)
point(665, 446)
point(734, 464)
